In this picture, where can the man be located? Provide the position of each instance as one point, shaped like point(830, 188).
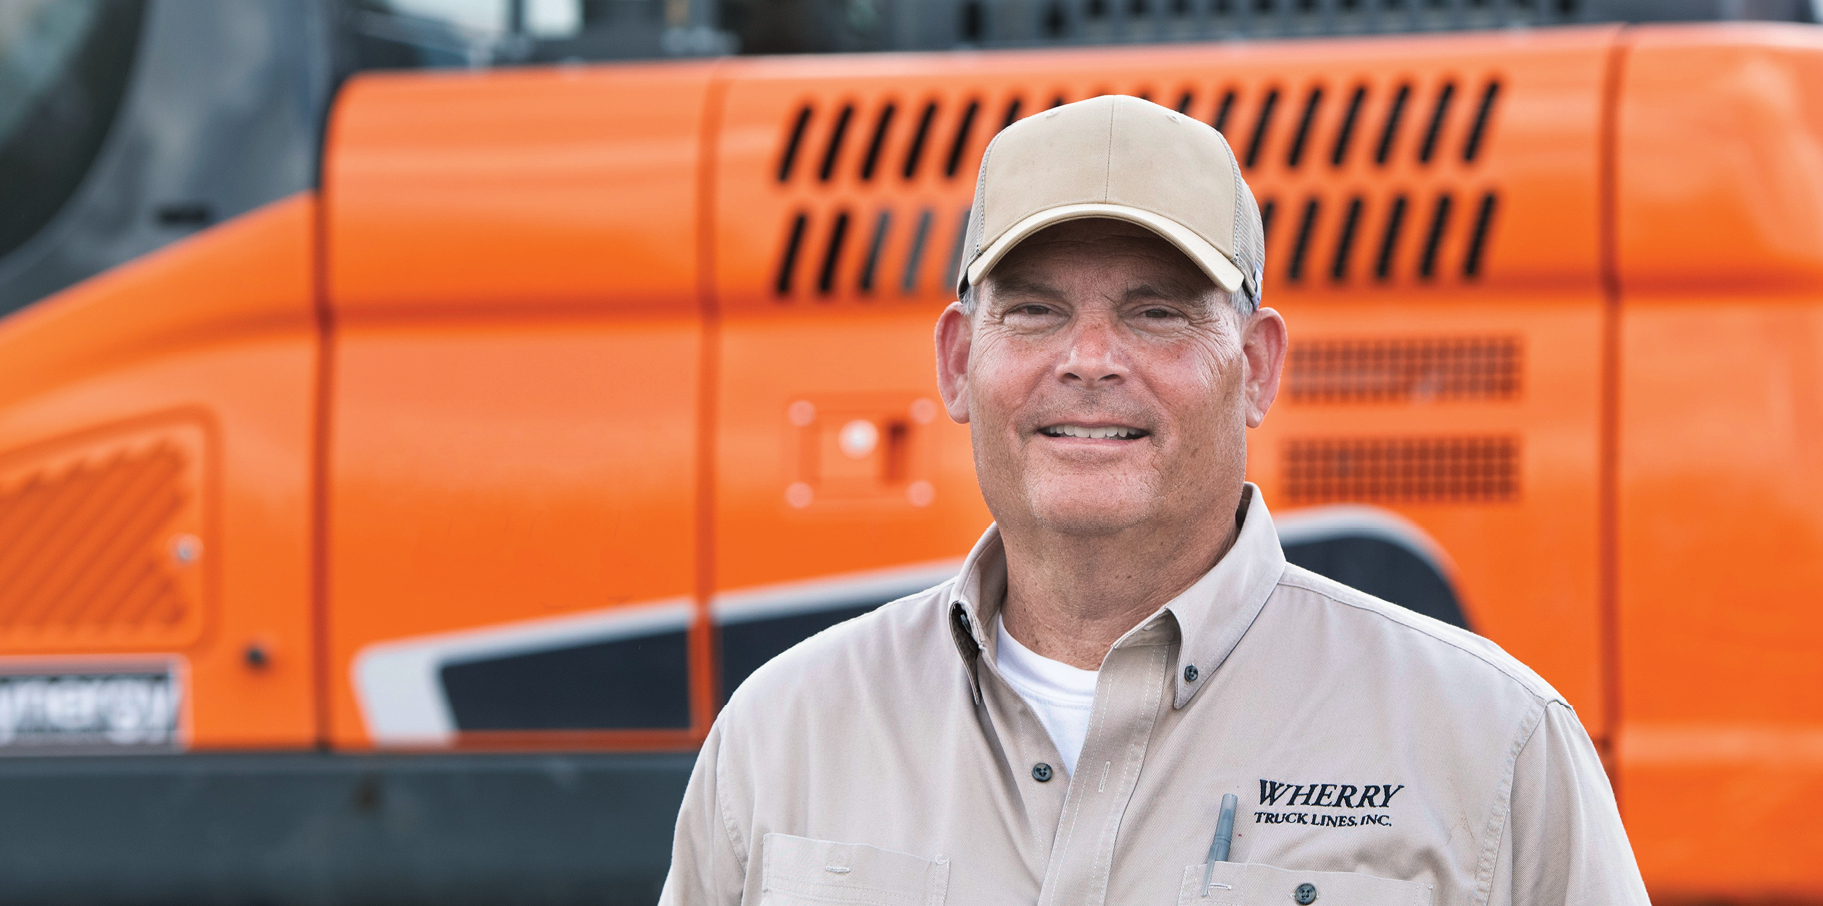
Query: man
point(1127, 646)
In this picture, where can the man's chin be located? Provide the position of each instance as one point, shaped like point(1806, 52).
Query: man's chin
point(1099, 524)
point(1090, 511)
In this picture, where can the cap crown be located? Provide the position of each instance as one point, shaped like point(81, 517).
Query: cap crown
point(1119, 151)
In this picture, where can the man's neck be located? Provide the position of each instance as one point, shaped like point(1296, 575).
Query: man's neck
point(1071, 598)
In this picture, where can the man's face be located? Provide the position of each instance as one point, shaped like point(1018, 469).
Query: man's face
point(1108, 383)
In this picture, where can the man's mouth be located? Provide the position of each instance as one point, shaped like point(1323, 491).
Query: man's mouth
point(1108, 432)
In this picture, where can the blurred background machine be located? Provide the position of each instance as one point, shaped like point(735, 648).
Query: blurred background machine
point(397, 469)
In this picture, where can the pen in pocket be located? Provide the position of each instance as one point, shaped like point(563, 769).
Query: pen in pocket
point(1224, 835)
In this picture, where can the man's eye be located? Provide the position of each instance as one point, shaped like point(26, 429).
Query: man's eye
point(1158, 314)
point(1033, 309)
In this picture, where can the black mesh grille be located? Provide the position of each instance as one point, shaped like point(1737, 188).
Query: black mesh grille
point(1405, 369)
point(1402, 470)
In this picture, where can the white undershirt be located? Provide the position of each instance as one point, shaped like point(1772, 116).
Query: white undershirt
point(1063, 696)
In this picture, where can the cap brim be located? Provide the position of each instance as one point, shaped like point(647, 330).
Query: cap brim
point(1211, 260)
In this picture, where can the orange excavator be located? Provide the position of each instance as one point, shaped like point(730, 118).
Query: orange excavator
point(395, 534)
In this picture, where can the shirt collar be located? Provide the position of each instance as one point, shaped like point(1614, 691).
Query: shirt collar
point(1210, 616)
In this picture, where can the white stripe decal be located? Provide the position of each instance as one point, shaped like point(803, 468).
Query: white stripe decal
point(399, 686)
point(401, 692)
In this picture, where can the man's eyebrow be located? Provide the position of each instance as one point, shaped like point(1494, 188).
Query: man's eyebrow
point(1017, 286)
point(1169, 291)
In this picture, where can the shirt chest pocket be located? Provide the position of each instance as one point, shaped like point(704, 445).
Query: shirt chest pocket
point(1249, 884)
point(799, 871)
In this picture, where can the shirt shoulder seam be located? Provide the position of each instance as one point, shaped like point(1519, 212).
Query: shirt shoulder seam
point(1288, 578)
point(729, 826)
point(1501, 819)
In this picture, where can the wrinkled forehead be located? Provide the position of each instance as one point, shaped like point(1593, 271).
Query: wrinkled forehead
point(1113, 250)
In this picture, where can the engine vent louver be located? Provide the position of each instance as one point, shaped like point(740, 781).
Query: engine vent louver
point(1401, 470)
point(1435, 228)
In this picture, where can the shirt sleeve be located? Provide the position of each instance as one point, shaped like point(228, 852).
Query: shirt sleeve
point(706, 862)
point(1564, 843)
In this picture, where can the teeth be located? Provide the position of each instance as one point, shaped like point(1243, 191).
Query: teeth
point(1092, 433)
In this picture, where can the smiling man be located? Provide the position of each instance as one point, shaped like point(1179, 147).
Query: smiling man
point(1127, 695)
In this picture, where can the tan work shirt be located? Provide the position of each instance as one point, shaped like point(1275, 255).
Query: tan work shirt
point(1379, 757)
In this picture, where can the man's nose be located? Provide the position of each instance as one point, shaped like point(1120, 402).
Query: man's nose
point(1096, 355)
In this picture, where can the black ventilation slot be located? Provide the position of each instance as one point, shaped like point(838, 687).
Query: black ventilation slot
point(1058, 101)
point(916, 150)
point(834, 149)
point(832, 256)
point(1338, 268)
point(790, 156)
point(1295, 272)
point(1311, 104)
point(1484, 219)
point(881, 126)
point(1266, 211)
point(882, 226)
point(963, 130)
point(788, 261)
point(1389, 240)
point(1347, 132)
point(1390, 130)
point(1438, 115)
point(1433, 241)
point(1185, 100)
point(915, 256)
point(1221, 112)
point(1260, 125)
point(1012, 112)
point(1472, 146)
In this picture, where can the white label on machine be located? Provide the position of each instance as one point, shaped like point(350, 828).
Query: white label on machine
point(89, 710)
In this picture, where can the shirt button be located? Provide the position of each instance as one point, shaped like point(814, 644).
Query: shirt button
point(1041, 772)
point(1190, 674)
point(1306, 894)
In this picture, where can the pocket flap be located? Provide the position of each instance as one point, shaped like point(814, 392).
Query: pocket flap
point(1252, 884)
point(799, 869)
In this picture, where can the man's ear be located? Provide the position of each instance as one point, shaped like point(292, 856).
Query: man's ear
point(1263, 353)
point(955, 332)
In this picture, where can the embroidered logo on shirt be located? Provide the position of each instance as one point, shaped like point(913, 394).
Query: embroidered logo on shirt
point(1354, 798)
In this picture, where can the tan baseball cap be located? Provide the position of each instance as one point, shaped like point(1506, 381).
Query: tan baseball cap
point(1122, 158)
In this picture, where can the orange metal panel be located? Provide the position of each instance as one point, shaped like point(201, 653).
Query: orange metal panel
point(518, 189)
point(1721, 574)
point(517, 343)
point(790, 503)
point(491, 472)
point(179, 386)
point(1721, 160)
point(1720, 243)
